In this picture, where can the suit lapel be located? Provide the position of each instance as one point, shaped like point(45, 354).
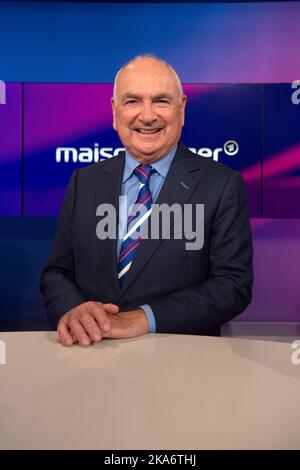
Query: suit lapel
point(181, 181)
point(108, 189)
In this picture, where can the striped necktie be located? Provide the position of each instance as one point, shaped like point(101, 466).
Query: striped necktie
point(141, 211)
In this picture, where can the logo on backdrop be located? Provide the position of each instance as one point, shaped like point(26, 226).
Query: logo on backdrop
point(85, 154)
point(230, 148)
point(2, 92)
point(96, 153)
point(296, 94)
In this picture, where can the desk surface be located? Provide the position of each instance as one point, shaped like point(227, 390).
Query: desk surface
point(151, 392)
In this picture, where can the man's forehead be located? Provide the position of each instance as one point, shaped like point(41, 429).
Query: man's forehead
point(134, 94)
point(146, 85)
point(151, 77)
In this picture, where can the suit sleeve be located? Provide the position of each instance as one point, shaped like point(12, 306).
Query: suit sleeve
point(58, 285)
point(203, 307)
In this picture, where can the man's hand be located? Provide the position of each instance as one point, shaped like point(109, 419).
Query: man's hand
point(127, 324)
point(86, 323)
point(93, 321)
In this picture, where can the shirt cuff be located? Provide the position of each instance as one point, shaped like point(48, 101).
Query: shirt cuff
point(150, 317)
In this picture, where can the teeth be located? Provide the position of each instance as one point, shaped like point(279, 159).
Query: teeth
point(143, 131)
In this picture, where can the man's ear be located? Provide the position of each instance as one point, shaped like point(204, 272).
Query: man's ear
point(183, 104)
point(113, 105)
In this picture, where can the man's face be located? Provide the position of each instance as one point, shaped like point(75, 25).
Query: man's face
point(148, 111)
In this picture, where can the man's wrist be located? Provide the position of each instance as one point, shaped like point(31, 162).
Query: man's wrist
point(150, 318)
point(139, 321)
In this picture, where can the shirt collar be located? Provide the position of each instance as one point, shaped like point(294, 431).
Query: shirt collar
point(161, 166)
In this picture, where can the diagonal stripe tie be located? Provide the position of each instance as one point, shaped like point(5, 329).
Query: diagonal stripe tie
point(137, 216)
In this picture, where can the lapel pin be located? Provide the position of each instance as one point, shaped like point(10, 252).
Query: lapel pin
point(184, 185)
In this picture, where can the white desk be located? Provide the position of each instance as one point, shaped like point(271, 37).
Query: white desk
point(152, 392)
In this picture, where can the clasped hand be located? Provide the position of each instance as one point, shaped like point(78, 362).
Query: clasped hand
point(93, 321)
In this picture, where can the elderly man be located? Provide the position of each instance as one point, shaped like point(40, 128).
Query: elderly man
point(97, 288)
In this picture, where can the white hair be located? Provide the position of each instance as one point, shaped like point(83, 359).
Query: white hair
point(149, 56)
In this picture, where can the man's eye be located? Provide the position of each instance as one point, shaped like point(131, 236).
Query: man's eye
point(130, 101)
point(163, 101)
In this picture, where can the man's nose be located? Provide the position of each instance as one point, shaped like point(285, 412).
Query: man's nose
point(147, 114)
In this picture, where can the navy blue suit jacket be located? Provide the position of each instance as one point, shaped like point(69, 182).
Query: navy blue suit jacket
point(190, 292)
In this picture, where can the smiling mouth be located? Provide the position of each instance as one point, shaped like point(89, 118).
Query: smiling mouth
point(148, 131)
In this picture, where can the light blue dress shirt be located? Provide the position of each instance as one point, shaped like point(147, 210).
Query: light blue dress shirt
point(130, 189)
